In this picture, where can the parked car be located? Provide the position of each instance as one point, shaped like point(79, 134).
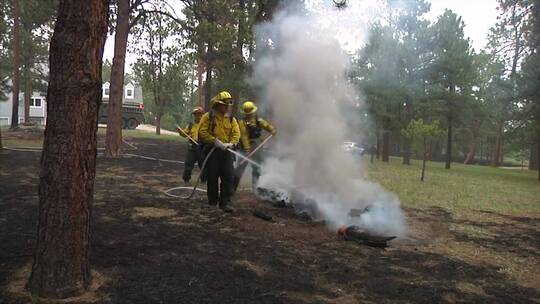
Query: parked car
point(353, 148)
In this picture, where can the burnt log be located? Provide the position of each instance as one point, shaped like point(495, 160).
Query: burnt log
point(358, 235)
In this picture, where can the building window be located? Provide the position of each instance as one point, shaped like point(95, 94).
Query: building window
point(106, 90)
point(36, 102)
point(130, 91)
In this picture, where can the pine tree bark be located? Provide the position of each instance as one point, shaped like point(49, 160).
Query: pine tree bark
point(386, 146)
point(533, 158)
point(16, 63)
point(538, 152)
point(495, 162)
point(27, 91)
point(208, 81)
point(474, 129)
point(449, 143)
point(61, 258)
point(200, 92)
point(158, 123)
point(407, 141)
point(424, 158)
point(113, 140)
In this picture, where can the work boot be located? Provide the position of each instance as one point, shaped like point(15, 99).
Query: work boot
point(228, 209)
point(186, 177)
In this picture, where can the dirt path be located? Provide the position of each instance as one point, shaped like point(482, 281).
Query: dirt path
point(155, 249)
point(151, 128)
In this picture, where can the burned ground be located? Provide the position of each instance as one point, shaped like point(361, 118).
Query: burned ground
point(157, 249)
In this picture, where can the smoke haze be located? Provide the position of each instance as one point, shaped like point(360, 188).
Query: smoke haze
point(302, 81)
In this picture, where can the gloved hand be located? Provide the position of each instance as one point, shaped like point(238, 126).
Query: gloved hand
point(274, 133)
point(218, 144)
point(228, 146)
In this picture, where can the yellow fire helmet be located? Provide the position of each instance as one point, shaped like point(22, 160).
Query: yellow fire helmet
point(249, 108)
point(222, 97)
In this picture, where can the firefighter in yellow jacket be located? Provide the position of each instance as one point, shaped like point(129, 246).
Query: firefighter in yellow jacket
point(220, 130)
point(251, 128)
point(194, 152)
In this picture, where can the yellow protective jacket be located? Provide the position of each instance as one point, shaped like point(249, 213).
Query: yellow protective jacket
point(256, 124)
point(222, 127)
point(192, 130)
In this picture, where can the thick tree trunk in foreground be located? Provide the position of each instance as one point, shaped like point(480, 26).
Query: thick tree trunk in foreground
point(495, 162)
point(449, 143)
point(15, 78)
point(61, 268)
point(113, 141)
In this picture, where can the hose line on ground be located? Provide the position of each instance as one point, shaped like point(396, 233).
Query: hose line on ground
point(194, 189)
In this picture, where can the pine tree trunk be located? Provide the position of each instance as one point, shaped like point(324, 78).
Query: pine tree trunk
point(16, 63)
point(495, 162)
point(533, 158)
point(386, 146)
point(158, 123)
point(386, 136)
point(27, 91)
point(407, 151)
point(61, 258)
point(538, 152)
point(424, 159)
point(379, 146)
point(208, 81)
point(208, 86)
point(449, 143)
point(200, 71)
point(407, 141)
point(113, 141)
point(474, 129)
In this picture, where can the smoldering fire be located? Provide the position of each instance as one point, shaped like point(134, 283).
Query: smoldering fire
point(302, 76)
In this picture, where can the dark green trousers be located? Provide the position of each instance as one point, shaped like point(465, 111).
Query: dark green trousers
point(255, 171)
point(219, 173)
point(193, 156)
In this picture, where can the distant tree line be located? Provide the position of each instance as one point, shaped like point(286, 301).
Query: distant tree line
point(486, 100)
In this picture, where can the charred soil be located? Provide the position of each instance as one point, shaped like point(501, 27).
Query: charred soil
point(157, 249)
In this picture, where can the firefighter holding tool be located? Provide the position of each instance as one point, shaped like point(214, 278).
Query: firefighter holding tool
point(219, 132)
point(251, 129)
point(194, 152)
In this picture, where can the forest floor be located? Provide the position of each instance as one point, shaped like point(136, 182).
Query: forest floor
point(474, 237)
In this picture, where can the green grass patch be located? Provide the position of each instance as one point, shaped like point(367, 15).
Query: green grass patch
point(461, 189)
point(26, 143)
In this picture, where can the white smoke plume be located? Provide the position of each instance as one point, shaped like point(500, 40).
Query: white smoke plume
point(302, 76)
